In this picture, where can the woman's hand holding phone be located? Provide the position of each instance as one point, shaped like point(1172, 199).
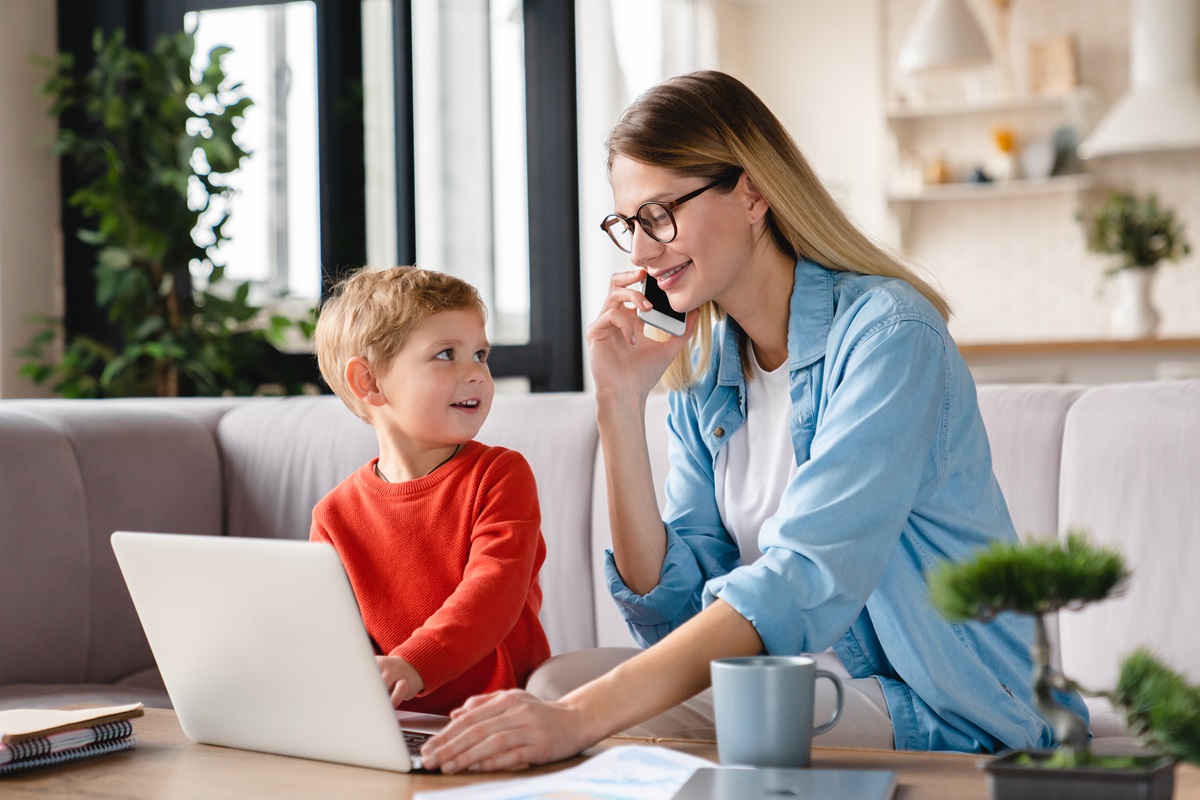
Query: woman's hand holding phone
point(661, 315)
point(623, 359)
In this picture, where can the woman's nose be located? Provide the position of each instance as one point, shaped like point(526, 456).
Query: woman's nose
point(643, 248)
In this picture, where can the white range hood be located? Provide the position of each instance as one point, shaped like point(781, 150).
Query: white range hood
point(1161, 108)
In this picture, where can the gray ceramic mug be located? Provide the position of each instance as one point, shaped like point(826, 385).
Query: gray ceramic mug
point(764, 709)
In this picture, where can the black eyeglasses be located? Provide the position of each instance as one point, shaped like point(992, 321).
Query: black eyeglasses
point(655, 218)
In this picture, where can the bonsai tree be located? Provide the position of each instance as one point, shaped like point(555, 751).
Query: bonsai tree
point(1138, 230)
point(1040, 577)
point(153, 141)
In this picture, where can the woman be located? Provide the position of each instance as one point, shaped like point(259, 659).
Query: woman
point(826, 452)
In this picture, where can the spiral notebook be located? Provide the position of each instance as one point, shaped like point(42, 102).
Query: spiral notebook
point(40, 737)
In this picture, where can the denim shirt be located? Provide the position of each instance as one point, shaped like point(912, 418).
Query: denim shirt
point(895, 476)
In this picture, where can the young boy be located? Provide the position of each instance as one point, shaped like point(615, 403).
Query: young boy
point(441, 535)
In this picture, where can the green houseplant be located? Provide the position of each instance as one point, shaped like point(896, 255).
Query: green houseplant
point(1138, 230)
point(1040, 578)
point(1140, 233)
point(153, 141)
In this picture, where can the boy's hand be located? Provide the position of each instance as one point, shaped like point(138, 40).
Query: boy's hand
point(400, 677)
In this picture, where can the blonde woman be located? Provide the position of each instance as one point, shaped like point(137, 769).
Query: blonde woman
point(826, 450)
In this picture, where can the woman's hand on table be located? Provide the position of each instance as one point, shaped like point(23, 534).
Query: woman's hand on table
point(505, 731)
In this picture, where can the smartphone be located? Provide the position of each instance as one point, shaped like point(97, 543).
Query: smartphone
point(662, 316)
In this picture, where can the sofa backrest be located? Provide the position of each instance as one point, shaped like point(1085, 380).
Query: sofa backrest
point(611, 630)
point(1130, 470)
point(71, 473)
point(1025, 429)
point(556, 432)
point(282, 456)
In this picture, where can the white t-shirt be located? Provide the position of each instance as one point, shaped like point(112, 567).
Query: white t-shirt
point(754, 467)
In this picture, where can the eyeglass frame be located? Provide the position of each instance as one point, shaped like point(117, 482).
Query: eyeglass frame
point(669, 207)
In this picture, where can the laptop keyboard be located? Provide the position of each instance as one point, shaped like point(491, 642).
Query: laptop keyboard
point(414, 740)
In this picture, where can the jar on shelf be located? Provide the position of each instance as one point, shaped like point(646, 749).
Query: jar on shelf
point(1003, 162)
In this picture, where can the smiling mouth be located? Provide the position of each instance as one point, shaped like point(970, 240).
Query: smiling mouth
point(669, 274)
point(466, 404)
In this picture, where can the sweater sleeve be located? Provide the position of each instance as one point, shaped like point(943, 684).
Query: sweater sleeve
point(505, 550)
point(316, 533)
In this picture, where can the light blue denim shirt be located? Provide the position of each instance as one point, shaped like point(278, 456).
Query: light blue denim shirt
point(895, 476)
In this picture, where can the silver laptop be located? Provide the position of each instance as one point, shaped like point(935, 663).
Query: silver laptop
point(261, 646)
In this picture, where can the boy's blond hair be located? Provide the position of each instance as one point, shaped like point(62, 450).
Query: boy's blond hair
point(371, 313)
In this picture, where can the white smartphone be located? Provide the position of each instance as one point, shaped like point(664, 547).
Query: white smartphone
point(662, 316)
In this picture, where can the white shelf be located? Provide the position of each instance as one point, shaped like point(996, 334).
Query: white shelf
point(998, 189)
point(903, 114)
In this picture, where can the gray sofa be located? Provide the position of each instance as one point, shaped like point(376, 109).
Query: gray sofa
point(1121, 460)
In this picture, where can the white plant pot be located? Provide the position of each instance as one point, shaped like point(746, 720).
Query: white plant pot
point(1133, 316)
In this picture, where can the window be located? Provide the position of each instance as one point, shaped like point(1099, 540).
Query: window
point(456, 194)
point(274, 235)
point(484, 133)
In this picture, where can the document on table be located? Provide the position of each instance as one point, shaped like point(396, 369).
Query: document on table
point(628, 772)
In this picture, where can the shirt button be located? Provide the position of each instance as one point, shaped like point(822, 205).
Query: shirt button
point(718, 431)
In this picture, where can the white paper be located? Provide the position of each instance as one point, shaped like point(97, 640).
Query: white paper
point(628, 772)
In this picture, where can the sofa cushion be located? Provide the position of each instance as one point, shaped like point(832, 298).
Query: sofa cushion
point(556, 432)
point(280, 456)
point(1025, 428)
point(107, 466)
point(152, 693)
point(44, 566)
point(611, 630)
point(1024, 425)
point(283, 456)
point(1129, 473)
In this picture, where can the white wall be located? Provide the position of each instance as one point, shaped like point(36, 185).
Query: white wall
point(816, 64)
point(30, 237)
point(1015, 269)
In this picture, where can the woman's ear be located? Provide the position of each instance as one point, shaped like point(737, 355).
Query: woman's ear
point(362, 382)
point(756, 205)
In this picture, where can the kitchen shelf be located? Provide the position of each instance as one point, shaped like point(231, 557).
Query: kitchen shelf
point(1032, 103)
point(1084, 361)
point(962, 136)
point(1025, 187)
point(1174, 344)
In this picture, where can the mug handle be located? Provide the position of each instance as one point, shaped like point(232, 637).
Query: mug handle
point(837, 710)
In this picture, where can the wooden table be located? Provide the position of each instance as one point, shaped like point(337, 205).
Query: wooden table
point(165, 765)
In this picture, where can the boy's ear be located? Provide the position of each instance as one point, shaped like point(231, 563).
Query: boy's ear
point(362, 382)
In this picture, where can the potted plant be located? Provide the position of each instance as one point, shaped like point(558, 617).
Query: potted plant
point(1162, 711)
point(1141, 233)
point(153, 141)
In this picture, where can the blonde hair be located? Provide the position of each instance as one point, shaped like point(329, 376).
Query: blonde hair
point(371, 313)
point(710, 125)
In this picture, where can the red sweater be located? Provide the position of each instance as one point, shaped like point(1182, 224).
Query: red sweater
point(445, 569)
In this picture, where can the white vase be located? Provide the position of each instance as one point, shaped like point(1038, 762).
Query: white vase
point(1133, 316)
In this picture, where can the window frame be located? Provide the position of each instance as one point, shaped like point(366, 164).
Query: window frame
point(553, 359)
